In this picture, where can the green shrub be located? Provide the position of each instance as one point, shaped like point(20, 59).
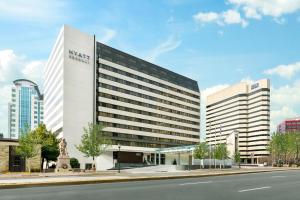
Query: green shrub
point(74, 163)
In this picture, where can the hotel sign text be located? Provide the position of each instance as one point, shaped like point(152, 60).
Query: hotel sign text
point(254, 86)
point(81, 57)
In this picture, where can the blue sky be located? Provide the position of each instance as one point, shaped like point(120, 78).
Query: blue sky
point(217, 43)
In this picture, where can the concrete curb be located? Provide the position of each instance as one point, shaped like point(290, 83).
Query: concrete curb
point(82, 182)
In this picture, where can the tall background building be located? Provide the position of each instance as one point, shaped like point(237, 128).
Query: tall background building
point(245, 109)
point(289, 125)
point(26, 107)
point(142, 106)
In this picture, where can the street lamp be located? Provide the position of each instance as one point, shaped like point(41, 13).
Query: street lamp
point(119, 166)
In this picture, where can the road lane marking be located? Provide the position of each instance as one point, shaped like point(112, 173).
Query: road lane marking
point(278, 176)
point(195, 183)
point(252, 189)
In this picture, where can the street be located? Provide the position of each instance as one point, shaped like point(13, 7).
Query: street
point(282, 185)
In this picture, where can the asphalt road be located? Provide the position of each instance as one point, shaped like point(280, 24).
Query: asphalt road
point(262, 186)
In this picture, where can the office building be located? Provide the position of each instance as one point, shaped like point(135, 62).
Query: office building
point(289, 125)
point(142, 106)
point(25, 111)
point(244, 109)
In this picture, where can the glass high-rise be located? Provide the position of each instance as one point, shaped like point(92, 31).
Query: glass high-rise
point(25, 111)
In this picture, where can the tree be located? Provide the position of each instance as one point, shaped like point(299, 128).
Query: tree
point(237, 158)
point(93, 142)
point(221, 152)
point(49, 143)
point(201, 151)
point(284, 147)
point(28, 146)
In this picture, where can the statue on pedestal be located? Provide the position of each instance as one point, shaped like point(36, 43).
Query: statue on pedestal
point(63, 161)
point(63, 147)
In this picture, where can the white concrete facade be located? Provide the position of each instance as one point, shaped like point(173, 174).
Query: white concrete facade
point(68, 87)
point(140, 110)
point(244, 108)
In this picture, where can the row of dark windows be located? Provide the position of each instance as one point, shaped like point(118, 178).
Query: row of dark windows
point(132, 84)
point(149, 130)
point(142, 144)
point(146, 121)
point(110, 87)
point(253, 150)
point(259, 135)
point(292, 123)
point(134, 102)
point(145, 139)
point(249, 141)
point(235, 106)
point(241, 103)
point(247, 113)
point(292, 128)
point(238, 95)
point(107, 53)
point(209, 127)
point(212, 134)
point(122, 72)
point(262, 95)
point(241, 123)
point(252, 145)
point(260, 155)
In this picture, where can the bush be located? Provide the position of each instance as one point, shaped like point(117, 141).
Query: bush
point(74, 163)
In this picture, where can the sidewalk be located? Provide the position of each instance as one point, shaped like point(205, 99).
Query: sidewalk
point(40, 179)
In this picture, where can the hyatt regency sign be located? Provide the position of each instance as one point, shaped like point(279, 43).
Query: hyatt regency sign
point(81, 57)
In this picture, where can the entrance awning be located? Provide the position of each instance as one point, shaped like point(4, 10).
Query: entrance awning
point(179, 149)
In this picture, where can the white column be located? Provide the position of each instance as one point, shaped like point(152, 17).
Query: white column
point(159, 158)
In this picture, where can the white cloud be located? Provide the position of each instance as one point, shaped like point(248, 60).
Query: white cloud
point(107, 35)
point(288, 95)
point(206, 17)
point(9, 65)
point(285, 71)
point(278, 115)
point(33, 10)
point(285, 103)
point(13, 66)
point(5, 93)
point(273, 8)
point(250, 9)
point(34, 70)
point(170, 44)
point(234, 17)
point(251, 13)
point(224, 18)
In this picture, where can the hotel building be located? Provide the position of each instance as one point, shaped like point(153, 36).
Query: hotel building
point(25, 109)
point(142, 106)
point(244, 109)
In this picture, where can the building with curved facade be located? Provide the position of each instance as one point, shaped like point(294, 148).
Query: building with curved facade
point(25, 110)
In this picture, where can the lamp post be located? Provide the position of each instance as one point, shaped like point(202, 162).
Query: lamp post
point(119, 166)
